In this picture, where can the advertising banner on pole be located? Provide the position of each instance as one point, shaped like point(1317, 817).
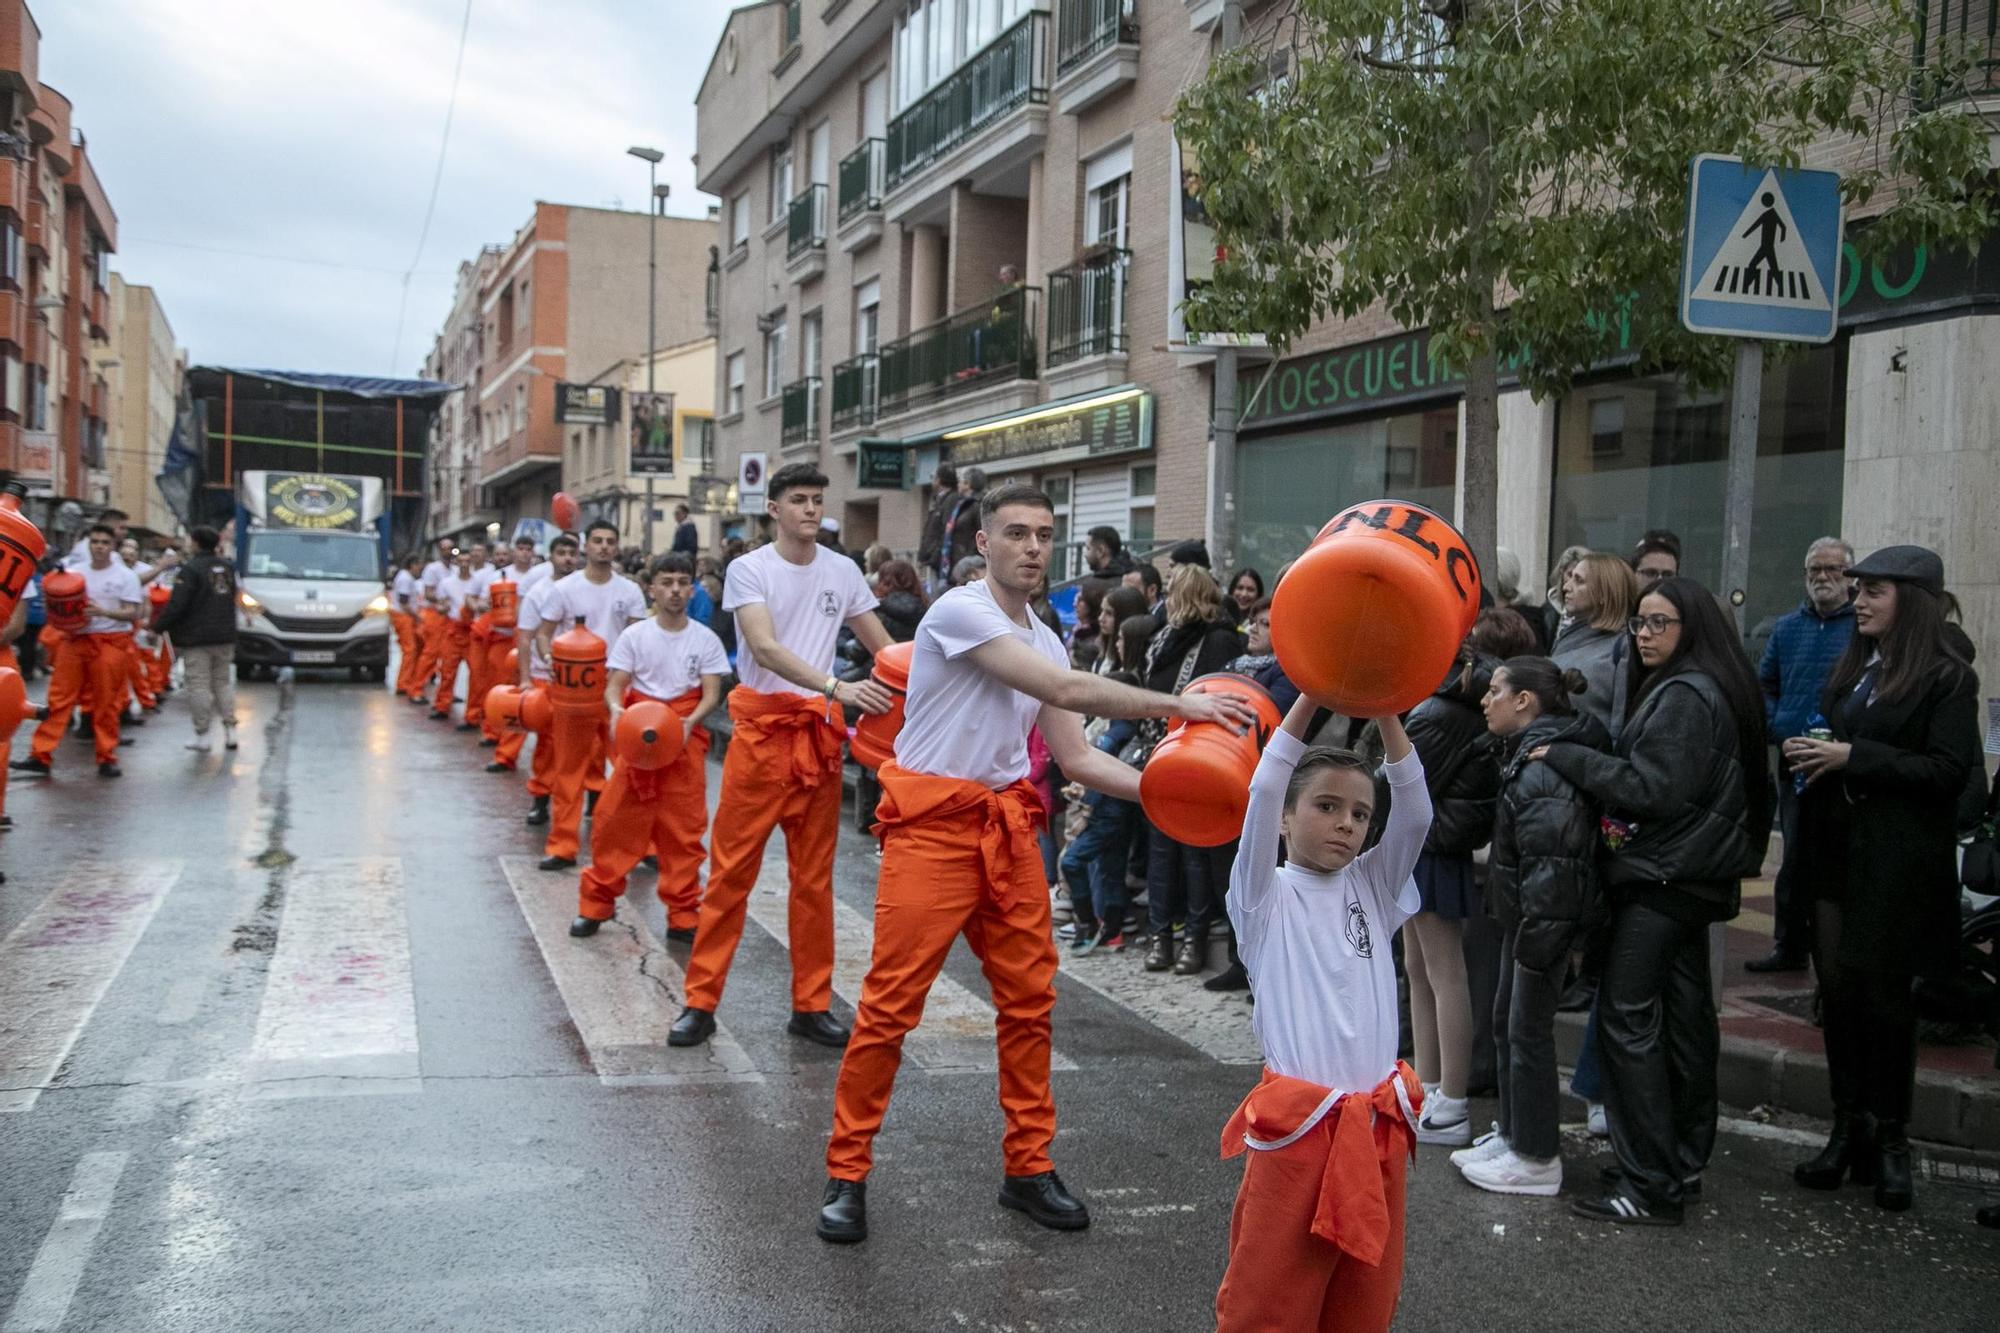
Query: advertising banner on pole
point(651, 447)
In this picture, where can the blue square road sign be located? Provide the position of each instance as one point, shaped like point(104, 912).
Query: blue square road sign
point(1762, 251)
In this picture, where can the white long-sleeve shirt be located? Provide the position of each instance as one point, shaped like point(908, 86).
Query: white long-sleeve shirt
point(1317, 945)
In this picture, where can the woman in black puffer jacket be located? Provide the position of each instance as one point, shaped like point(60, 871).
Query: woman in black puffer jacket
point(1463, 776)
point(1688, 802)
point(1541, 884)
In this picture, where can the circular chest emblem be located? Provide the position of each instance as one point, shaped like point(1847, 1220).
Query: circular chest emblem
point(828, 605)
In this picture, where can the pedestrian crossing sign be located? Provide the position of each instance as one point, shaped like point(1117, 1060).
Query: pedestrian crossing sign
point(1762, 251)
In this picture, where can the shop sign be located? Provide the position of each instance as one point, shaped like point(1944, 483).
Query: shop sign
point(586, 404)
point(882, 465)
point(1119, 422)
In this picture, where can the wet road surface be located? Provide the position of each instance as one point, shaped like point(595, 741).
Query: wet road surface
point(292, 1039)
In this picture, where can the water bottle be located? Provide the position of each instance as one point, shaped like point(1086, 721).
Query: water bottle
point(1816, 730)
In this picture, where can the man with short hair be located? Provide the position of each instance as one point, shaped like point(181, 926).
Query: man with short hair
point(97, 654)
point(782, 768)
point(1146, 578)
point(405, 606)
point(532, 668)
point(431, 628)
point(201, 616)
point(958, 822)
point(687, 540)
point(79, 554)
point(1798, 659)
point(1656, 558)
point(1106, 554)
point(453, 599)
point(502, 597)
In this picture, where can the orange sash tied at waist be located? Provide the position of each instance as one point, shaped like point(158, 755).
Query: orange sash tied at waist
point(1006, 822)
point(804, 722)
point(1353, 1210)
point(645, 783)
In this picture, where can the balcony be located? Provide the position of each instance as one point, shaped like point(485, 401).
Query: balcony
point(861, 176)
point(805, 234)
point(856, 384)
point(1971, 26)
point(1097, 52)
point(988, 343)
point(799, 413)
point(1087, 309)
point(1008, 75)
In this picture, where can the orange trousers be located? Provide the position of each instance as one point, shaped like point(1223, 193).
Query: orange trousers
point(664, 811)
point(496, 674)
point(957, 858)
point(160, 669)
point(577, 742)
point(407, 652)
point(431, 629)
point(454, 640)
point(1316, 1237)
point(11, 663)
point(478, 651)
point(138, 672)
point(100, 662)
point(782, 770)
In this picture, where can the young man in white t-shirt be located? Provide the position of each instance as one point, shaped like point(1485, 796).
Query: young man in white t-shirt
point(430, 618)
point(404, 608)
point(99, 653)
point(532, 671)
point(985, 672)
point(453, 599)
point(782, 767)
point(599, 599)
point(680, 663)
point(503, 616)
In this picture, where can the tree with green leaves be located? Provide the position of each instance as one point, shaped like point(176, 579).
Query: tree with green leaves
point(1512, 174)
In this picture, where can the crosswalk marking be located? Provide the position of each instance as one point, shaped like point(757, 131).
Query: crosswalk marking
point(622, 989)
point(339, 1011)
point(956, 1035)
point(44, 1300)
point(57, 964)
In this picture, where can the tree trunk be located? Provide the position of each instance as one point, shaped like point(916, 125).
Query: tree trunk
point(1479, 515)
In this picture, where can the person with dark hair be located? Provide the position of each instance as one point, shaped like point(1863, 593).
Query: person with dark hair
point(453, 599)
point(1879, 850)
point(901, 594)
point(1191, 552)
point(1687, 800)
point(1084, 641)
point(1146, 578)
point(1502, 632)
point(934, 548)
point(97, 657)
point(112, 519)
point(201, 616)
point(1656, 556)
point(1105, 553)
point(1246, 589)
point(687, 538)
point(532, 666)
point(405, 605)
point(1541, 884)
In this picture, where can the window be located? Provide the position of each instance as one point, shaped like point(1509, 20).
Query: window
point(13, 251)
point(698, 443)
point(809, 345)
point(732, 384)
point(780, 180)
point(867, 316)
point(1139, 528)
point(739, 221)
point(505, 318)
point(520, 407)
point(1107, 184)
point(38, 398)
point(774, 360)
point(521, 310)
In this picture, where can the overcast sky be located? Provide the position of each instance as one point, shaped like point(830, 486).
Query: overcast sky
point(269, 163)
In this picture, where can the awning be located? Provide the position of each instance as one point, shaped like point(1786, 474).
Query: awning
point(206, 381)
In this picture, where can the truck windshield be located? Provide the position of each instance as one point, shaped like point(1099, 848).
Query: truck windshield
point(313, 555)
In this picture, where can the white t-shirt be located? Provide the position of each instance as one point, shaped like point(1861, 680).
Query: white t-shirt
point(666, 664)
point(108, 587)
point(1317, 945)
point(959, 721)
point(808, 605)
point(537, 573)
point(403, 591)
point(79, 554)
point(605, 609)
point(455, 590)
point(529, 620)
point(433, 574)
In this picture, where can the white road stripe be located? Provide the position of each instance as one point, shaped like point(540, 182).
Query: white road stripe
point(51, 1284)
point(56, 965)
point(339, 1013)
point(957, 1033)
point(1216, 1024)
point(622, 989)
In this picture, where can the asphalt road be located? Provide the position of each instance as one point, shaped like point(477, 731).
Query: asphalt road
point(291, 1039)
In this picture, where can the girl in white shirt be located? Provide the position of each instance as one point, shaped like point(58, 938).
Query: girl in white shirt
point(1318, 1224)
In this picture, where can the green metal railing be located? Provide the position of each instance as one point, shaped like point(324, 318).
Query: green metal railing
point(1008, 73)
point(1955, 26)
point(1087, 307)
point(799, 414)
point(856, 383)
point(982, 344)
point(861, 180)
point(1085, 27)
point(805, 226)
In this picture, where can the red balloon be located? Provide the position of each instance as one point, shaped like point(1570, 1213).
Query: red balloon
point(563, 511)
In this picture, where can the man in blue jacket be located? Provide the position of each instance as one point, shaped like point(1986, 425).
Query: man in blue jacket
point(1799, 657)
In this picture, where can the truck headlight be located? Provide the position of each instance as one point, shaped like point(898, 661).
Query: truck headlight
point(377, 606)
point(251, 606)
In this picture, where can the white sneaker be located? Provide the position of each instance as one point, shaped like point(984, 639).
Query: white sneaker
point(1446, 1121)
point(1484, 1148)
point(200, 743)
point(1511, 1173)
point(1600, 1128)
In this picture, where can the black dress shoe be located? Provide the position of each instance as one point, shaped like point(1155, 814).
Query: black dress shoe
point(590, 803)
point(128, 740)
point(30, 765)
point(1989, 1216)
point(1778, 960)
point(819, 1026)
point(488, 742)
point(1192, 957)
point(1045, 1201)
point(1232, 978)
point(584, 927)
point(843, 1212)
point(436, 716)
point(1160, 954)
point(692, 1028)
point(556, 862)
point(682, 934)
point(497, 767)
point(110, 771)
point(539, 812)
point(468, 726)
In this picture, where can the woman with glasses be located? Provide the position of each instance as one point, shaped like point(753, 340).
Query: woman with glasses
point(1878, 847)
point(1598, 595)
point(1687, 803)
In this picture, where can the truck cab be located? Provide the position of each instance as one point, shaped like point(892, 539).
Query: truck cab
point(310, 555)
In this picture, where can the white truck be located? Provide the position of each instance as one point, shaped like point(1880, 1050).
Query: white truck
point(312, 550)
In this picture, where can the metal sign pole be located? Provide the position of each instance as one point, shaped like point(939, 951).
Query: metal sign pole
point(1746, 398)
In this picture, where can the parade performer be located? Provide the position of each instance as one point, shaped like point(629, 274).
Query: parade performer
point(503, 615)
point(958, 822)
point(431, 624)
point(453, 599)
point(97, 654)
point(782, 769)
point(404, 608)
point(680, 663)
point(479, 638)
point(532, 669)
point(1316, 1238)
point(604, 602)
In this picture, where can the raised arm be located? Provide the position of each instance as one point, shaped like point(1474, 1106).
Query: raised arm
point(1390, 862)
point(1013, 663)
point(1256, 863)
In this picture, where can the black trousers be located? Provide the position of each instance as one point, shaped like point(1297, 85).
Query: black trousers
point(1868, 1020)
point(1792, 931)
point(1524, 1038)
point(1659, 1041)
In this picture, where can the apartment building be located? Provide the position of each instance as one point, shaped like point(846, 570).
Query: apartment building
point(647, 438)
point(560, 301)
point(143, 367)
point(57, 234)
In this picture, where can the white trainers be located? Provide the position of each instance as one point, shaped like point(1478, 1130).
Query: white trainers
point(1600, 1128)
point(1445, 1121)
point(1484, 1148)
point(1511, 1173)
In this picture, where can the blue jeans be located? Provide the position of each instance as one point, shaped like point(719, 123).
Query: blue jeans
point(1093, 865)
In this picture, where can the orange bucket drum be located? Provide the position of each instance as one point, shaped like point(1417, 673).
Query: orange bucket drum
point(1196, 786)
point(873, 742)
point(649, 735)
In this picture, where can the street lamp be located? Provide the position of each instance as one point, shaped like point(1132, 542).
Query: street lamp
point(655, 196)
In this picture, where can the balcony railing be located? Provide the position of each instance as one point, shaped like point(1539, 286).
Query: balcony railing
point(798, 421)
point(1087, 307)
point(806, 227)
point(855, 387)
point(1008, 73)
point(861, 180)
point(1972, 26)
point(1086, 27)
point(982, 344)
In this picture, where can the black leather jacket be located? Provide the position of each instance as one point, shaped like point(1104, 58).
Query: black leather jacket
point(1541, 872)
point(202, 611)
point(1461, 764)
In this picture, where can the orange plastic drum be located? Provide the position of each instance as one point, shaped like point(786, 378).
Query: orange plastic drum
point(504, 598)
point(157, 598)
point(503, 705)
point(1196, 786)
point(873, 741)
point(510, 665)
point(1368, 620)
point(576, 671)
point(538, 713)
point(14, 706)
point(649, 735)
point(21, 548)
point(65, 602)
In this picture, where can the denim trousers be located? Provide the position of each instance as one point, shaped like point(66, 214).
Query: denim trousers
point(1093, 864)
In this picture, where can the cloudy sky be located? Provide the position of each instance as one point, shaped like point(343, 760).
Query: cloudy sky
point(270, 163)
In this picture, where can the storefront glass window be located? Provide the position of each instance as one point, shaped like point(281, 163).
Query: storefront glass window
point(1290, 484)
point(1640, 453)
